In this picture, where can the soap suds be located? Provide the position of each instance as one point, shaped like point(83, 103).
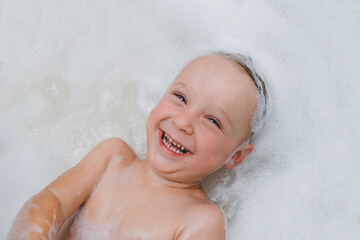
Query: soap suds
point(104, 74)
point(24, 227)
point(86, 229)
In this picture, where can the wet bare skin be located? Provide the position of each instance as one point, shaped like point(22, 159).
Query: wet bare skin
point(138, 209)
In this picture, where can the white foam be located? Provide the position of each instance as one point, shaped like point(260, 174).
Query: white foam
point(56, 194)
point(84, 228)
point(73, 73)
point(53, 227)
point(24, 227)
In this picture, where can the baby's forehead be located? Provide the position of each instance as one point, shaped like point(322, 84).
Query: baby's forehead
point(214, 61)
point(217, 75)
point(216, 68)
point(221, 83)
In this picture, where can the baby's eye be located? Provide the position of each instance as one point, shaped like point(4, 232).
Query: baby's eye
point(180, 96)
point(213, 120)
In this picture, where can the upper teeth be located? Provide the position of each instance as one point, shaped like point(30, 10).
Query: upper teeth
point(170, 146)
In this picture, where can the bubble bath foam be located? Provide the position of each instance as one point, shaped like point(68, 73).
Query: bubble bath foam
point(73, 73)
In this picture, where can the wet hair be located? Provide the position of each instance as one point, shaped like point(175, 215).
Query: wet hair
point(261, 114)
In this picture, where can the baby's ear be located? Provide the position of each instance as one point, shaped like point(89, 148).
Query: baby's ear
point(239, 156)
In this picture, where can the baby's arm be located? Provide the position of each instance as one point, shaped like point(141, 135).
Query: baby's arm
point(42, 215)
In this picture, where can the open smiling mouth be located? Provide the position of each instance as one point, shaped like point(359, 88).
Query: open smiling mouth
point(171, 146)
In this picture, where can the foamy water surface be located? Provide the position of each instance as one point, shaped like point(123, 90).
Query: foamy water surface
point(73, 73)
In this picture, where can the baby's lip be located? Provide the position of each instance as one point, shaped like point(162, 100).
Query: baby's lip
point(188, 149)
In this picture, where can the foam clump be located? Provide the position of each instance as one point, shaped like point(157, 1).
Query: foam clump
point(85, 228)
point(23, 227)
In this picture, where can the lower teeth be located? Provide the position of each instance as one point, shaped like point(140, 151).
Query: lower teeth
point(169, 146)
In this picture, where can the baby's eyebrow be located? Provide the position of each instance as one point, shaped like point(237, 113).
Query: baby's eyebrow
point(224, 114)
point(181, 83)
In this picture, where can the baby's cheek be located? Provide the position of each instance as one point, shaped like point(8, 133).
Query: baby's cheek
point(215, 143)
point(223, 152)
point(156, 113)
point(162, 108)
point(216, 150)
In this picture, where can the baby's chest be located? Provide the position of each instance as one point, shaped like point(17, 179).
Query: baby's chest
point(117, 213)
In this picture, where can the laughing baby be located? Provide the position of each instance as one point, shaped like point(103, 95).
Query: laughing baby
point(205, 120)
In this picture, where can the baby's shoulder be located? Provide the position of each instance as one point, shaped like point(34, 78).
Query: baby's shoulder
point(204, 221)
point(205, 211)
point(119, 149)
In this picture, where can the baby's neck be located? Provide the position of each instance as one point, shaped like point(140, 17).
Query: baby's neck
point(152, 177)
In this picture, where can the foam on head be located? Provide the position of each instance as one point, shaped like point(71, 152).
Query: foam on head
point(263, 107)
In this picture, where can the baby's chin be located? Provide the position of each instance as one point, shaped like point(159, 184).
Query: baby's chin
point(177, 172)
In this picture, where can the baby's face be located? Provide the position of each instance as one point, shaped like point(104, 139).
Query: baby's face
point(207, 111)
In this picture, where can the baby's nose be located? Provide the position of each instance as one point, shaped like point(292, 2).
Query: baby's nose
point(183, 123)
